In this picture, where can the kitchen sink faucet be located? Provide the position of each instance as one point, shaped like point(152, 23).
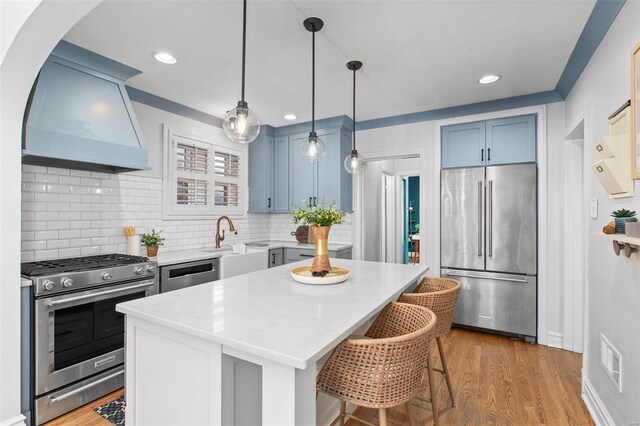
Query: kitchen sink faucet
point(220, 238)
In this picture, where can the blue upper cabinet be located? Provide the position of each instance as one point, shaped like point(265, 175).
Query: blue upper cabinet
point(501, 141)
point(279, 177)
point(281, 174)
point(463, 145)
point(302, 177)
point(261, 169)
point(511, 140)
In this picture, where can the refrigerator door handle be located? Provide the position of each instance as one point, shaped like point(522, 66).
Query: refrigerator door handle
point(480, 184)
point(511, 280)
point(490, 220)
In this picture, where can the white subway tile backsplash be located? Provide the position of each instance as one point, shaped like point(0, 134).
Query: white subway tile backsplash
point(70, 252)
point(79, 213)
point(79, 242)
point(71, 233)
point(57, 244)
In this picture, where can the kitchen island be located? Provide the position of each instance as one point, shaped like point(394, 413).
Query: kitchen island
point(244, 349)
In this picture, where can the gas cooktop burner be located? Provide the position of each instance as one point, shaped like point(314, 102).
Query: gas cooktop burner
point(75, 264)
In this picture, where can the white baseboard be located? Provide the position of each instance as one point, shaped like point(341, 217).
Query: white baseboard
point(594, 404)
point(15, 421)
point(555, 340)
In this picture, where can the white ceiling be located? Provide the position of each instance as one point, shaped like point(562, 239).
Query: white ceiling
point(417, 55)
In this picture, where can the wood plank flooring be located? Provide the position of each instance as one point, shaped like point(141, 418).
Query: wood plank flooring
point(497, 381)
point(501, 381)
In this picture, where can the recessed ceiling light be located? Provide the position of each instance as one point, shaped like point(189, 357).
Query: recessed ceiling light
point(165, 58)
point(490, 78)
point(290, 116)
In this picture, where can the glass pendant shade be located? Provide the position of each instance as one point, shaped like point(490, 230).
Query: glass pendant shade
point(313, 148)
point(241, 125)
point(353, 162)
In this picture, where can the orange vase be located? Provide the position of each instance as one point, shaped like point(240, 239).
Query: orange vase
point(321, 258)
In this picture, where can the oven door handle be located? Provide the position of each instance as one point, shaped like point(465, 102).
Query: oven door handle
point(51, 302)
point(54, 399)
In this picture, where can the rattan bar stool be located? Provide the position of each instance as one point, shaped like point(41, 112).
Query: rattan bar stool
point(384, 368)
point(440, 296)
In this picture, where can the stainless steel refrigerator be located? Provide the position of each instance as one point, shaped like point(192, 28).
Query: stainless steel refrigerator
point(489, 243)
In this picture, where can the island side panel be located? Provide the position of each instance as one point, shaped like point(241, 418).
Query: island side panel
point(171, 378)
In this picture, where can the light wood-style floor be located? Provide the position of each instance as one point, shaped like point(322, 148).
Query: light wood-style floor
point(497, 380)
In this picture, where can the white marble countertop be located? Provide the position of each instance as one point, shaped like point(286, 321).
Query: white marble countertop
point(268, 314)
point(181, 256)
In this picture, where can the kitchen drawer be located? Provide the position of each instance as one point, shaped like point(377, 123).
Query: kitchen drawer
point(499, 302)
point(276, 257)
point(295, 255)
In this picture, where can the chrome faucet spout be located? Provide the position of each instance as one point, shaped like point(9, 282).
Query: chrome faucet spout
point(220, 238)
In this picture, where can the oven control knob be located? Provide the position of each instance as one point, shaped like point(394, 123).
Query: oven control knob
point(139, 271)
point(48, 285)
point(67, 282)
point(106, 276)
point(151, 269)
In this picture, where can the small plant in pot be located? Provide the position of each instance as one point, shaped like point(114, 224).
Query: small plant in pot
point(621, 218)
point(152, 242)
point(320, 219)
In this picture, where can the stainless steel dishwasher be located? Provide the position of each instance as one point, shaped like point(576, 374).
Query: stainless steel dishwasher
point(181, 275)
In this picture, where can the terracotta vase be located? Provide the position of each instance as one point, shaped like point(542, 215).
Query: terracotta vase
point(321, 258)
point(152, 251)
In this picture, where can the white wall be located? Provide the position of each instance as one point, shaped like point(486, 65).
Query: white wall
point(410, 138)
point(28, 32)
point(613, 290)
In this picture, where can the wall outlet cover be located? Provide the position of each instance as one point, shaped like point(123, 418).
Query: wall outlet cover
point(611, 362)
point(594, 208)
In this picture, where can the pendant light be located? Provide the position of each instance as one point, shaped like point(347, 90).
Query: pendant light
point(242, 125)
point(313, 148)
point(353, 162)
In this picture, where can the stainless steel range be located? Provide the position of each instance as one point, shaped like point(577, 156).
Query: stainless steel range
point(77, 336)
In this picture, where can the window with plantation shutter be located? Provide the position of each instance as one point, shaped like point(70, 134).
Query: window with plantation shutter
point(202, 177)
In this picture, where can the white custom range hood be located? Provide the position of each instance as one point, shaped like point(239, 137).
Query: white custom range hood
point(79, 114)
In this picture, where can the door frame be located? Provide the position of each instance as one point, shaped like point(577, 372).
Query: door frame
point(400, 175)
point(389, 233)
point(574, 288)
point(541, 154)
point(433, 251)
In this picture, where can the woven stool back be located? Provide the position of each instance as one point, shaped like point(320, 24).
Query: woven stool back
point(385, 368)
point(440, 296)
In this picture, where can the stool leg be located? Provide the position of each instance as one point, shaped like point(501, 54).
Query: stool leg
point(432, 391)
point(446, 370)
point(383, 416)
point(407, 406)
point(343, 408)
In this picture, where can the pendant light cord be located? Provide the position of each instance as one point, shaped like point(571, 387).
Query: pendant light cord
point(354, 109)
point(313, 81)
point(244, 44)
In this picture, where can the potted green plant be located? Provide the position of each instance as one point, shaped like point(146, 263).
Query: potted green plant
point(152, 242)
point(319, 218)
point(621, 218)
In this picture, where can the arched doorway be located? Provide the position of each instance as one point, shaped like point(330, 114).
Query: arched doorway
point(30, 30)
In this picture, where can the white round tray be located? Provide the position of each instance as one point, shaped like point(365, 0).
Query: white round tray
point(336, 276)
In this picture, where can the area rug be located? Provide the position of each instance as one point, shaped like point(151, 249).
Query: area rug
point(113, 411)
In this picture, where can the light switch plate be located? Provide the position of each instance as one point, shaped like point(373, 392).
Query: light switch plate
point(594, 208)
point(611, 362)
